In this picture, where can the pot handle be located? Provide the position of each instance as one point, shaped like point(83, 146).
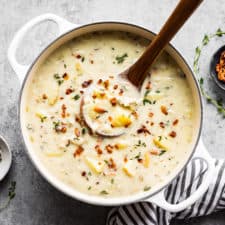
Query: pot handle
point(159, 198)
point(20, 69)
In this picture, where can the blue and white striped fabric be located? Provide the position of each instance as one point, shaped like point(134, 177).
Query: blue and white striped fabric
point(145, 213)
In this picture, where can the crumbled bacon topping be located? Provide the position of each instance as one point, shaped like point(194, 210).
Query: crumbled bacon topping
point(121, 92)
point(77, 132)
point(135, 114)
point(148, 85)
point(111, 164)
point(151, 114)
point(109, 148)
point(65, 76)
point(44, 96)
point(164, 110)
point(144, 130)
point(113, 101)
point(175, 122)
point(173, 134)
point(99, 81)
point(115, 86)
point(86, 83)
point(162, 125)
point(98, 149)
point(69, 91)
point(106, 84)
point(78, 151)
point(63, 114)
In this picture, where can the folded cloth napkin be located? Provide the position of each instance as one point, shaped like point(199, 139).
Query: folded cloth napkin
point(145, 213)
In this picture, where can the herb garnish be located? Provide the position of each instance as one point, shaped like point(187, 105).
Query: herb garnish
point(198, 50)
point(83, 130)
point(139, 144)
point(11, 194)
point(76, 97)
point(104, 192)
point(89, 188)
point(56, 125)
point(43, 118)
point(147, 188)
point(162, 152)
point(58, 79)
point(112, 181)
point(120, 59)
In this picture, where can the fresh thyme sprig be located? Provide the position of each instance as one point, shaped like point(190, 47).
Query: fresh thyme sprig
point(11, 195)
point(198, 50)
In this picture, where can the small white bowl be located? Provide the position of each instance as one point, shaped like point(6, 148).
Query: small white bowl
point(5, 158)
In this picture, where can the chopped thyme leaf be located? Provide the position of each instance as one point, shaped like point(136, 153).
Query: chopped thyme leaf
point(82, 59)
point(160, 138)
point(120, 59)
point(11, 194)
point(139, 144)
point(147, 188)
point(104, 192)
point(65, 65)
point(56, 125)
point(60, 82)
point(145, 101)
point(113, 48)
point(76, 97)
point(56, 76)
point(162, 152)
point(43, 118)
point(89, 173)
point(112, 181)
point(157, 91)
point(146, 93)
point(89, 188)
point(83, 130)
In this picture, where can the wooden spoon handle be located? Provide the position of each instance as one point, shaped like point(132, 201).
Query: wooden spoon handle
point(137, 72)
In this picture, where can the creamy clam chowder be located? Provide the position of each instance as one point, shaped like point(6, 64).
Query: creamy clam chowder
point(155, 124)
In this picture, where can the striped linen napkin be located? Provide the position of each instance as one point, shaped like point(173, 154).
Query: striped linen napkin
point(145, 213)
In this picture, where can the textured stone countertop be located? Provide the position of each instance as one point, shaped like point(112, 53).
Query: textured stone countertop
point(37, 202)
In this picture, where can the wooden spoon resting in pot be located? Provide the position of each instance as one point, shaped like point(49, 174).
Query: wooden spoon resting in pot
point(136, 74)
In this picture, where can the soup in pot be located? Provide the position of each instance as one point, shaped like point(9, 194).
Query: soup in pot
point(155, 125)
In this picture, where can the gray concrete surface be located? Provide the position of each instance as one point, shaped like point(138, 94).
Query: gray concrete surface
point(36, 202)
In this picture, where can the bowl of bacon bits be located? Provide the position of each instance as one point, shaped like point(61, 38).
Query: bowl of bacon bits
point(217, 67)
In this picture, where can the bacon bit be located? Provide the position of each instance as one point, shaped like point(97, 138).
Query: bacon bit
point(164, 110)
point(151, 114)
point(121, 92)
point(113, 101)
point(111, 77)
point(154, 152)
point(78, 56)
point(44, 96)
point(63, 114)
point(78, 151)
point(175, 122)
point(99, 81)
point(78, 118)
point(115, 86)
point(125, 159)
point(220, 67)
point(82, 92)
point(135, 114)
point(148, 86)
point(98, 149)
point(77, 132)
point(61, 98)
point(152, 123)
point(65, 76)
point(69, 91)
point(86, 83)
point(140, 160)
point(171, 104)
point(110, 118)
point(106, 84)
point(109, 148)
point(83, 174)
point(111, 164)
point(63, 129)
point(162, 125)
point(144, 130)
point(99, 110)
point(173, 134)
point(92, 61)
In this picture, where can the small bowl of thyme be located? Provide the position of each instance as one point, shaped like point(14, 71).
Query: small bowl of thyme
point(217, 67)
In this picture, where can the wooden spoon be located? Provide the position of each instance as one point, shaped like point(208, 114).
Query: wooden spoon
point(137, 73)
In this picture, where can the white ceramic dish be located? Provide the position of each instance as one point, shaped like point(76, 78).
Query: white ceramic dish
point(68, 31)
